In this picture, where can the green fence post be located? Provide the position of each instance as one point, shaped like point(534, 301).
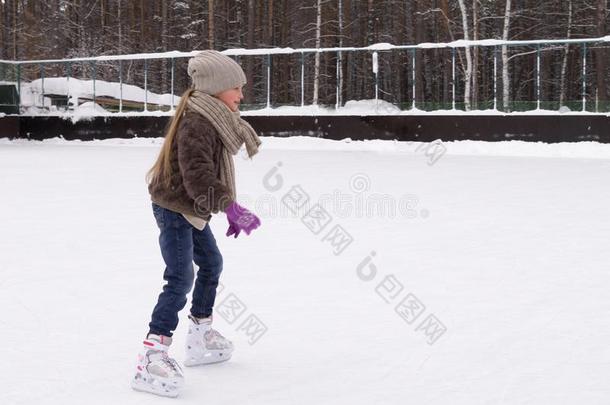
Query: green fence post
point(145, 84)
point(495, 78)
point(172, 89)
point(268, 59)
point(453, 78)
point(68, 74)
point(120, 85)
point(538, 77)
point(413, 78)
point(584, 76)
point(302, 79)
point(19, 88)
point(337, 87)
point(93, 74)
point(42, 84)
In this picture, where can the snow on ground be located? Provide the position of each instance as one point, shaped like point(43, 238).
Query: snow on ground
point(509, 253)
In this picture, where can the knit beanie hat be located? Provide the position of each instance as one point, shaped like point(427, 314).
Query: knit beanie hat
point(212, 72)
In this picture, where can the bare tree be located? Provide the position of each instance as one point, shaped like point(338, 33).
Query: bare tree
point(467, 51)
point(211, 24)
point(316, 75)
point(475, 52)
point(505, 72)
point(564, 62)
point(600, 53)
point(340, 56)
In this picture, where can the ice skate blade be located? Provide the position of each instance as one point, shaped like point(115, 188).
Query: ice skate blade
point(212, 356)
point(171, 391)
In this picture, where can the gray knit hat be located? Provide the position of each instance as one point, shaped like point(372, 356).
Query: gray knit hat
point(212, 72)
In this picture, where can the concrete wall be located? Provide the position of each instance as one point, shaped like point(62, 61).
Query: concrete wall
point(546, 128)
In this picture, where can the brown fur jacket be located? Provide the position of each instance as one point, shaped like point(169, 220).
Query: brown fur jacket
point(195, 186)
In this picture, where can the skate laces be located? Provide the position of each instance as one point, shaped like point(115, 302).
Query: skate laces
point(171, 363)
point(161, 359)
point(157, 347)
point(215, 339)
point(213, 334)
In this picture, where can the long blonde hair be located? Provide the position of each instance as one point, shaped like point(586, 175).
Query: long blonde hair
point(162, 170)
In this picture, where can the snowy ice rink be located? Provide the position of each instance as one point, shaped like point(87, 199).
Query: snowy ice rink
point(489, 283)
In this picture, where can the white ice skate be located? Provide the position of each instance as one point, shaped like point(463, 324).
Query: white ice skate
point(205, 345)
point(156, 372)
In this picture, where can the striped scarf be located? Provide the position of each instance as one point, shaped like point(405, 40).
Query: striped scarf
point(231, 128)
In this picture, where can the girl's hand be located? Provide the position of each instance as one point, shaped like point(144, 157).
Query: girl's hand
point(240, 219)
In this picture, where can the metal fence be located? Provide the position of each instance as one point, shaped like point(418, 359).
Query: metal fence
point(420, 77)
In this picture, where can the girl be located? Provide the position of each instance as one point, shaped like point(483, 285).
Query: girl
point(192, 178)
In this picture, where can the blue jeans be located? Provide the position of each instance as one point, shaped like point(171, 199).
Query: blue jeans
point(181, 244)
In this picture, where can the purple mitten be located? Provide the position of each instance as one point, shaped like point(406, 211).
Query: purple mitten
point(232, 230)
point(240, 219)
